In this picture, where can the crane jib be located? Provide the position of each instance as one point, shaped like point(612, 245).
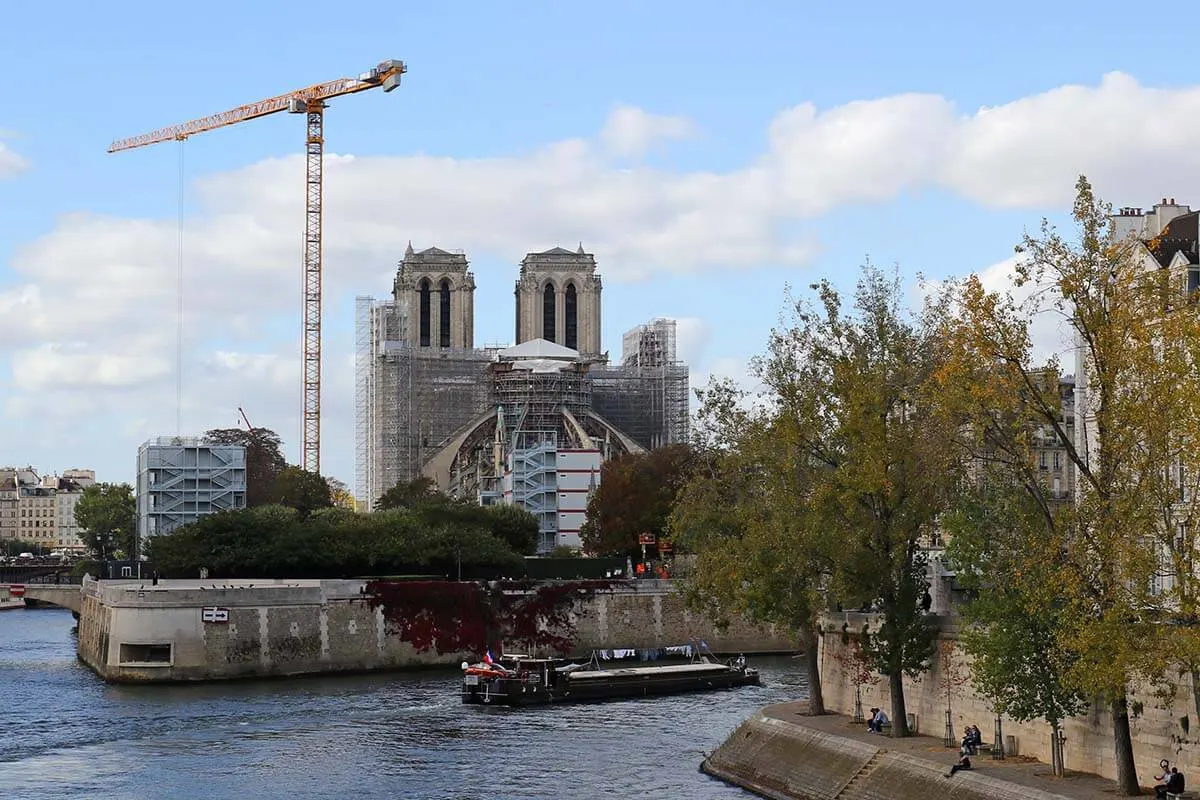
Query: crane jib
point(385, 75)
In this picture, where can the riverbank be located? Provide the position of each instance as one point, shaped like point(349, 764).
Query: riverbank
point(137, 632)
point(783, 754)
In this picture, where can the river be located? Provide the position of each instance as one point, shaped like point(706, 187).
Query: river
point(67, 734)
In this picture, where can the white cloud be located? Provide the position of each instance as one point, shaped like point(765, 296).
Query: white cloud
point(632, 132)
point(110, 282)
point(1050, 333)
point(11, 163)
point(692, 335)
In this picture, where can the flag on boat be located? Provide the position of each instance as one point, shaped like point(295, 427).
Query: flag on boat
point(487, 657)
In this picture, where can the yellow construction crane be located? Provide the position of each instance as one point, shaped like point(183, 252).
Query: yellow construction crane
point(310, 102)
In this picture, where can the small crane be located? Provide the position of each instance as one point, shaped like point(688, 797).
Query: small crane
point(310, 102)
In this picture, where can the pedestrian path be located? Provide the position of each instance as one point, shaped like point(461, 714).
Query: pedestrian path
point(1019, 770)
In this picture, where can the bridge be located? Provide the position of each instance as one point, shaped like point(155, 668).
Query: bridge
point(63, 595)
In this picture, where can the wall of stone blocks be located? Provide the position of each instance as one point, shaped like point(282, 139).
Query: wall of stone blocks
point(1162, 728)
point(314, 626)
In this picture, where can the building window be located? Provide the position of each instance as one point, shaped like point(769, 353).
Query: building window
point(548, 313)
point(1042, 460)
point(1057, 460)
point(444, 313)
point(571, 323)
point(423, 310)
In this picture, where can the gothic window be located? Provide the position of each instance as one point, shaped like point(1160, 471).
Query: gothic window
point(548, 313)
point(423, 302)
point(571, 323)
point(444, 315)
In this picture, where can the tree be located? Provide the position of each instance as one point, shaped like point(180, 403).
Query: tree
point(746, 514)
point(420, 491)
point(340, 494)
point(872, 434)
point(12, 547)
point(514, 526)
point(1006, 558)
point(634, 496)
point(264, 459)
point(107, 520)
point(302, 490)
point(1138, 400)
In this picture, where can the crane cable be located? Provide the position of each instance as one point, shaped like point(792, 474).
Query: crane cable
point(179, 299)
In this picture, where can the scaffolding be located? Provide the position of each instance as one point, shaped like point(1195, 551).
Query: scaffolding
point(412, 401)
point(646, 397)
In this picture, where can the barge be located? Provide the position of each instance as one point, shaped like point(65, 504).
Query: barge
point(518, 680)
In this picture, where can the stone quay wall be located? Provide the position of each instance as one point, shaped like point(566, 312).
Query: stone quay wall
point(139, 632)
point(785, 760)
point(1159, 727)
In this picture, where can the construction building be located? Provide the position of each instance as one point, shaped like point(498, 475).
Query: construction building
point(529, 424)
point(180, 479)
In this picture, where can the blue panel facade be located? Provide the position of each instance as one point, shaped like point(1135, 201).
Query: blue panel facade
point(180, 479)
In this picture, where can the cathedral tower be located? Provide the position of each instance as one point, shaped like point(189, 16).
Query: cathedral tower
point(558, 299)
point(437, 294)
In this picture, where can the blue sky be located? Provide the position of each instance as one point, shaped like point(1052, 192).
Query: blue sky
point(672, 138)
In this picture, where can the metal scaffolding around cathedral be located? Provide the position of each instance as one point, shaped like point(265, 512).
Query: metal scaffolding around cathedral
point(528, 424)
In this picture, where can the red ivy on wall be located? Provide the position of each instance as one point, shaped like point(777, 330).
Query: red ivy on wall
point(454, 617)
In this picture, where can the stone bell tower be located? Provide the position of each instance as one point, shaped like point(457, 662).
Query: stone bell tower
point(437, 292)
point(558, 299)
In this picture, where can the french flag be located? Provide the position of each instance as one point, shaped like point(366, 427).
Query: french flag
point(487, 657)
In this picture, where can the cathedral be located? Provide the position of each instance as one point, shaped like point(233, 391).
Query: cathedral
point(530, 424)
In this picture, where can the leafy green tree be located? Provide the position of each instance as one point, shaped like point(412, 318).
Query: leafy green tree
point(420, 491)
point(12, 547)
point(634, 496)
point(870, 432)
point(1138, 396)
point(264, 459)
point(1006, 559)
point(746, 515)
point(278, 542)
point(107, 520)
point(514, 526)
point(302, 490)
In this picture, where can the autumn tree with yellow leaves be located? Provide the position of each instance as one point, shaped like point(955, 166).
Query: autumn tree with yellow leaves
point(1137, 341)
point(826, 490)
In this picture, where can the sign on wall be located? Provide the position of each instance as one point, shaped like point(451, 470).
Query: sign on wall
point(214, 614)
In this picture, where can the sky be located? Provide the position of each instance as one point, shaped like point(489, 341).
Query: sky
point(710, 155)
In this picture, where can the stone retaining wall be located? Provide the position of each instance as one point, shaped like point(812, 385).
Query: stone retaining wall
point(138, 632)
point(1160, 728)
point(789, 761)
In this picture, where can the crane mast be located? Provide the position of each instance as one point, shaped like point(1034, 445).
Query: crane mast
point(309, 101)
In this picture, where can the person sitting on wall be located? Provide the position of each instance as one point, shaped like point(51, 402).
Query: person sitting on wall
point(877, 721)
point(1175, 782)
point(964, 762)
point(1164, 771)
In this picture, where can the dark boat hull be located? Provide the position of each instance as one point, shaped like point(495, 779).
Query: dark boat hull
point(516, 692)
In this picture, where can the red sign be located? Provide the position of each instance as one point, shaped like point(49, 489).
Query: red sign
point(665, 547)
point(16, 590)
point(646, 538)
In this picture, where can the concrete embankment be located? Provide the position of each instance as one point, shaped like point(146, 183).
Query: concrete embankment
point(783, 755)
point(214, 630)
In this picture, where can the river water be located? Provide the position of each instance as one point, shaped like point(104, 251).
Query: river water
point(64, 733)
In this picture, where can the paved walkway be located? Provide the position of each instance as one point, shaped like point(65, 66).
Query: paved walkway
point(1020, 770)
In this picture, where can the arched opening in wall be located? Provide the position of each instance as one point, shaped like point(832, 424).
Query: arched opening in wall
point(571, 321)
point(444, 314)
point(548, 313)
point(424, 311)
